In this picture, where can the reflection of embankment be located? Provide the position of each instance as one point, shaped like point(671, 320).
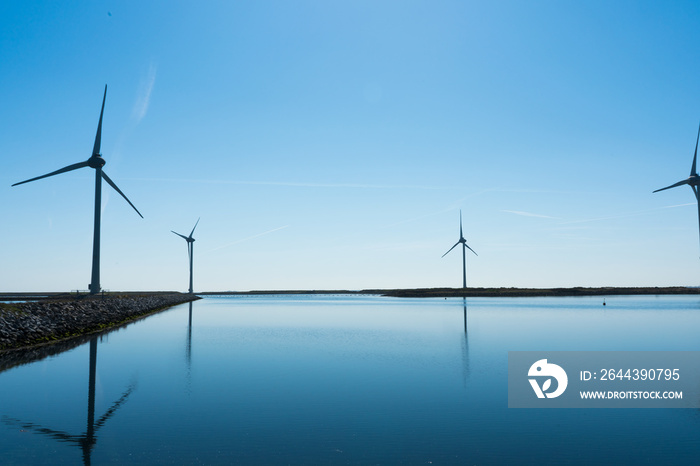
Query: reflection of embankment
point(60, 322)
point(18, 357)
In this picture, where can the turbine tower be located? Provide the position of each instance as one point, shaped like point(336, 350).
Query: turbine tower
point(97, 162)
point(464, 250)
point(693, 180)
point(190, 248)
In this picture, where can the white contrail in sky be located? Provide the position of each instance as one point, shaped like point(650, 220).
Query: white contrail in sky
point(450, 208)
point(248, 238)
point(528, 214)
point(631, 214)
point(301, 184)
point(144, 94)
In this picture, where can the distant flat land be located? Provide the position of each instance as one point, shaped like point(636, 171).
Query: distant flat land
point(479, 292)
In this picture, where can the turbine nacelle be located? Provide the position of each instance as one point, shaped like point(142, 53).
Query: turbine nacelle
point(693, 181)
point(96, 161)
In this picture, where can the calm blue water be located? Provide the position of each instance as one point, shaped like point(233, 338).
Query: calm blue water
point(343, 380)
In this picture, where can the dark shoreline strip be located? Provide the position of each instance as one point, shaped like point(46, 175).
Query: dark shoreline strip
point(479, 292)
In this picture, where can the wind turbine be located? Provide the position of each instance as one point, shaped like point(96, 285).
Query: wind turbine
point(190, 248)
point(464, 250)
point(693, 180)
point(97, 162)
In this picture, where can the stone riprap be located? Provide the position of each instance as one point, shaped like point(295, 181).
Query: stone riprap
point(34, 323)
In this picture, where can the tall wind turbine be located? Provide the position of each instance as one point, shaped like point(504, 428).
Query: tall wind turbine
point(97, 162)
point(190, 248)
point(693, 180)
point(464, 250)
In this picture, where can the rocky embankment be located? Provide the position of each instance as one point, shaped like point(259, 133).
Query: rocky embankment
point(47, 321)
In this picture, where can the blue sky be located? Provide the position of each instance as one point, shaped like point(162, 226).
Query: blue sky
point(330, 145)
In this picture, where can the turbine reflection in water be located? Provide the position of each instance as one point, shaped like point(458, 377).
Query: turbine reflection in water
point(188, 352)
point(465, 344)
point(85, 441)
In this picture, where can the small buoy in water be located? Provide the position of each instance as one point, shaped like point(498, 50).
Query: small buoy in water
point(603, 301)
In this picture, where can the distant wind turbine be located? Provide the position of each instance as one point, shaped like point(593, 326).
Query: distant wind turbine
point(190, 248)
point(97, 162)
point(464, 250)
point(693, 180)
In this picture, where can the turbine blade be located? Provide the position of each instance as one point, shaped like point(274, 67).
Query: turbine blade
point(98, 136)
point(467, 246)
point(695, 157)
point(450, 249)
point(195, 226)
point(75, 166)
point(460, 223)
point(111, 183)
point(110, 412)
point(680, 183)
point(55, 434)
point(181, 236)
